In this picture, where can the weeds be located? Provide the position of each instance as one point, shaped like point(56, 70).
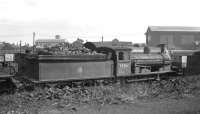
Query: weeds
point(110, 94)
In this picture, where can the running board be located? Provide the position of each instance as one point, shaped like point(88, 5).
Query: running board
point(139, 80)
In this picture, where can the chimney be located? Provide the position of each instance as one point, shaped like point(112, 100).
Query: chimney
point(57, 36)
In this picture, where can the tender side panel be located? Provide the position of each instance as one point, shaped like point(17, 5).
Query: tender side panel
point(74, 70)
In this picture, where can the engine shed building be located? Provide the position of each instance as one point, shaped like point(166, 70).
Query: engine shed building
point(175, 37)
point(113, 43)
point(42, 43)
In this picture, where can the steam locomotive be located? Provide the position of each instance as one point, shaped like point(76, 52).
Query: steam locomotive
point(115, 62)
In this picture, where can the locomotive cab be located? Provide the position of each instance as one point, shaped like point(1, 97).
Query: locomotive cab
point(123, 61)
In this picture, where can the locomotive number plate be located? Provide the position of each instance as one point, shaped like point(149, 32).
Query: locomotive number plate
point(123, 68)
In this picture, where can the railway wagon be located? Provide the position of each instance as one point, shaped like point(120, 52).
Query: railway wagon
point(186, 62)
point(8, 66)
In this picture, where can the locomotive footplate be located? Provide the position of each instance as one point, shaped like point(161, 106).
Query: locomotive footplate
point(148, 76)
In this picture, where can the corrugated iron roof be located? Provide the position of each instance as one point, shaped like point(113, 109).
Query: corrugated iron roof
point(174, 28)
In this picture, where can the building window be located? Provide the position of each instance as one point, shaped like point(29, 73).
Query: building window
point(121, 56)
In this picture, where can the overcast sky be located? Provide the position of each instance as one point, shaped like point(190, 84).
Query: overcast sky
point(90, 19)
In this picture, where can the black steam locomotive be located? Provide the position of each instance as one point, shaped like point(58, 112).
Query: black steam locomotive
point(115, 62)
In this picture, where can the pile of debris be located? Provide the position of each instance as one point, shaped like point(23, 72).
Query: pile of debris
point(176, 87)
point(116, 93)
point(100, 95)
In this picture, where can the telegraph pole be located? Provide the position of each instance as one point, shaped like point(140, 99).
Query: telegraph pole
point(20, 45)
point(33, 41)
